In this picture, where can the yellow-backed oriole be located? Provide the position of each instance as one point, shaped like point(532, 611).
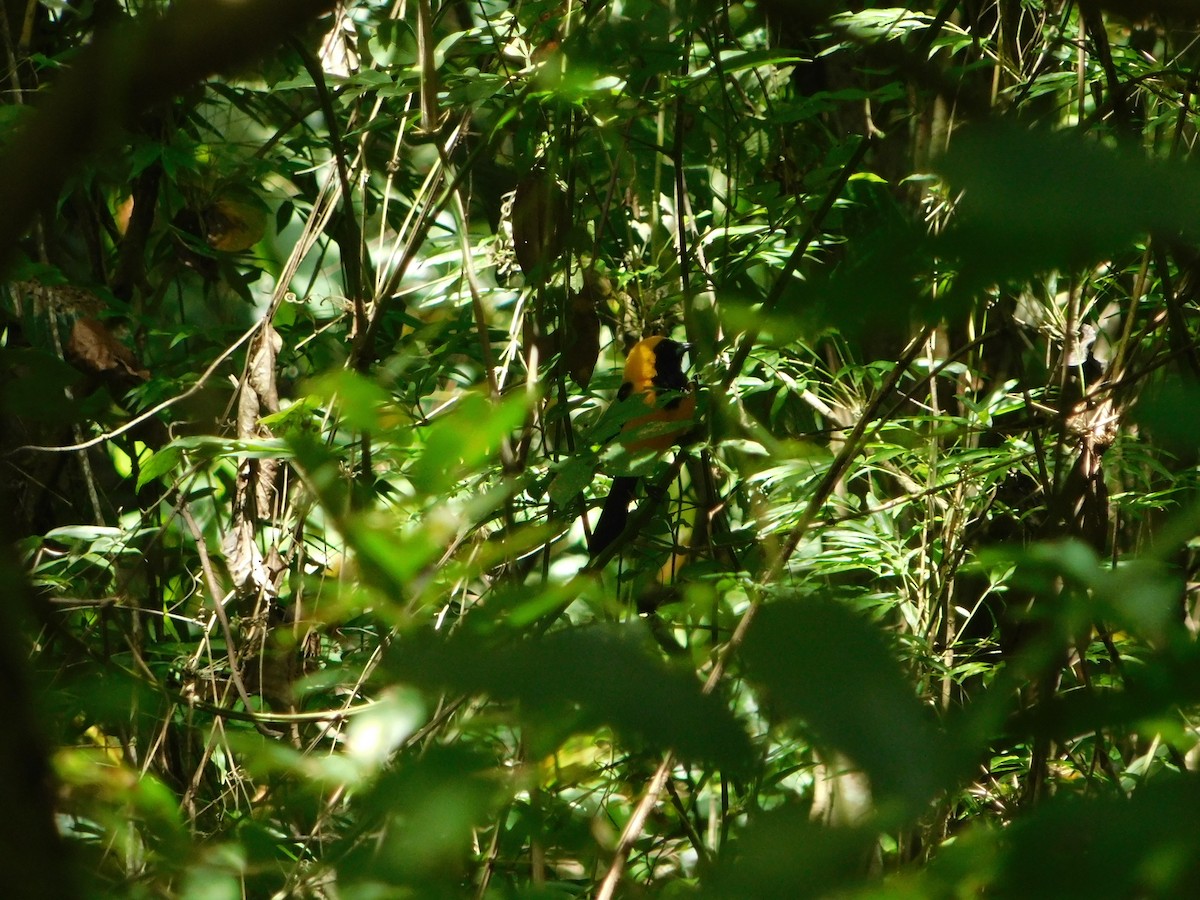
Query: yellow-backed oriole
point(654, 365)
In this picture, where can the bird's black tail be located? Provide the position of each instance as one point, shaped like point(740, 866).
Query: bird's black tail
point(613, 515)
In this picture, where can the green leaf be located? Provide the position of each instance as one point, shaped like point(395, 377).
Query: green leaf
point(160, 463)
point(359, 399)
point(461, 441)
point(1145, 846)
point(212, 447)
point(390, 556)
point(880, 23)
point(580, 679)
point(819, 662)
point(784, 855)
point(571, 478)
point(1032, 199)
point(431, 808)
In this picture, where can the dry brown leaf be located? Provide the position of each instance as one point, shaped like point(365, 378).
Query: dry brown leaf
point(581, 342)
point(339, 52)
point(261, 372)
point(259, 395)
point(92, 348)
point(537, 224)
point(265, 472)
point(254, 497)
point(244, 560)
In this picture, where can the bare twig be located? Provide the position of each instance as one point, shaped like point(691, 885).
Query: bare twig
point(219, 598)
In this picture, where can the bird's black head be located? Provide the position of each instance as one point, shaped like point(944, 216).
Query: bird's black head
point(669, 365)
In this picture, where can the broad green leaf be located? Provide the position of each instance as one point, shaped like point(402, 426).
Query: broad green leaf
point(360, 400)
point(579, 679)
point(427, 811)
point(212, 447)
point(463, 439)
point(1031, 200)
point(784, 855)
point(160, 463)
point(571, 478)
point(817, 661)
point(1144, 846)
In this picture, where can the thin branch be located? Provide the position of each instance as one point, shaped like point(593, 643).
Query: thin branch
point(784, 278)
point(218, 599)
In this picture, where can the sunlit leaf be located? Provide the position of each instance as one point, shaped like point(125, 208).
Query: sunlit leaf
point(464, 438)
point(160, 463)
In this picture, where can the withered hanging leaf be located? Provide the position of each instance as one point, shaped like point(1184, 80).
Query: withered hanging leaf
point(261, 373)
point(265, 475)
point(257, 478)
point(580, 343)
point(259, 395)
point(538, 224)
point(339, 53)
point(92, 348)
point(244, 560)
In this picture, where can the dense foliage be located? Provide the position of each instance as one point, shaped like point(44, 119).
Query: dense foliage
point(313, 316)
